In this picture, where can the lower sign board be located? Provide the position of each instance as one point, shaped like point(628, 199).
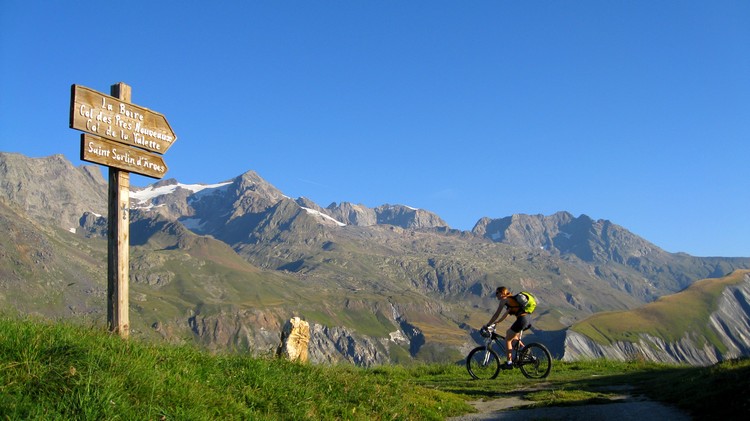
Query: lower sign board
point(102, 151)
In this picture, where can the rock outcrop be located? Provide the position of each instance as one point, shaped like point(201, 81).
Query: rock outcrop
point(295, 337)
point(331, 345)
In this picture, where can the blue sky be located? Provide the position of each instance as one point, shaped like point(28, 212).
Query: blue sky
point(633, 111)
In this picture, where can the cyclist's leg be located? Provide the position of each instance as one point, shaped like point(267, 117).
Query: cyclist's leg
point(510, 336)
point(514, 332)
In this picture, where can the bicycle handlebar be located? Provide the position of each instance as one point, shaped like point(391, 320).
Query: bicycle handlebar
point(487, 331)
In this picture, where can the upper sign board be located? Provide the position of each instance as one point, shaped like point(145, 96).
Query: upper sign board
point(106, 116)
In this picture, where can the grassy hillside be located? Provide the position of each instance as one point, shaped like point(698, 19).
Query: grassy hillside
point(60, 371)
point(54, 371)
point(670, 317)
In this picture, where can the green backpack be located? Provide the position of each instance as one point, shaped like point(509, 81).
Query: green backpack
point(526, 300)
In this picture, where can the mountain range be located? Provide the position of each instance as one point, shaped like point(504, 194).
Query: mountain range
point(224, 265)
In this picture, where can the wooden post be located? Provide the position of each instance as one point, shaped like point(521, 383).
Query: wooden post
point(138, 130)
point(118, 238)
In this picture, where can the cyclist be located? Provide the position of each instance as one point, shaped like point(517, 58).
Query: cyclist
point(523, 320)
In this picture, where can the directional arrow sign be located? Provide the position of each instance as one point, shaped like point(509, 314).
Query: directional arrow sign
point(101, 151)
point(102, 115)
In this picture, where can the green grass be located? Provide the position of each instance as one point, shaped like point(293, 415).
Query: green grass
point(61, 371)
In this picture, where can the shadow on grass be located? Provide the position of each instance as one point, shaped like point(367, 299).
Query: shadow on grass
point(715, 392)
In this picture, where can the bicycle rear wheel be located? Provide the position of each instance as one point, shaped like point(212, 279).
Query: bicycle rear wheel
point(535, 361)
point(483, 363)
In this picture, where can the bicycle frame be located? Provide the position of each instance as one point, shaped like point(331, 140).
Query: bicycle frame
point(499, 340)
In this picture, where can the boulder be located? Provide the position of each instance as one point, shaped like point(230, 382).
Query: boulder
point(294, 339)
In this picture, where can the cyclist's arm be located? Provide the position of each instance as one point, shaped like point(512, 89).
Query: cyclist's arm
point(507, 312)
point(497, 313)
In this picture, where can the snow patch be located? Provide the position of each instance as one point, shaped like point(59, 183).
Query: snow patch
point(403, 206)
point(150, 192)
point(148, 207)
point(314, 212)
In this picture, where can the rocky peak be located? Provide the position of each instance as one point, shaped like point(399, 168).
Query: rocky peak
point(407, 217)
point(309, 204)
point(527, 231)
point(562, 233)
point(27, 182)
point(253, 194)
point(352, 214)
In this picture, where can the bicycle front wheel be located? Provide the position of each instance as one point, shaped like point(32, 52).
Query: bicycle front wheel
point(535, 361)
point(483, 363)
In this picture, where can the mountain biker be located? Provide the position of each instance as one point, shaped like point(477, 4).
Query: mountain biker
point(523, 320)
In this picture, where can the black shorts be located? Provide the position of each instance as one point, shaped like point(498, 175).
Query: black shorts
point(522, 322)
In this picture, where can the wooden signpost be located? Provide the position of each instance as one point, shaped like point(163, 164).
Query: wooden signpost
point(132, 128)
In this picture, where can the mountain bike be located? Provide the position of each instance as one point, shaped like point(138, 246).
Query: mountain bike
point(533, 359)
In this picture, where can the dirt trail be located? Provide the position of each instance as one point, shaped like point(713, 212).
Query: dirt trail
point(622, 407)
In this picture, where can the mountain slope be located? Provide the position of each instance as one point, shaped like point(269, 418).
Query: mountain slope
point(28, 183)
point(706, 323)
point(47, 270)
point(278, 233)
point(226, 264)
